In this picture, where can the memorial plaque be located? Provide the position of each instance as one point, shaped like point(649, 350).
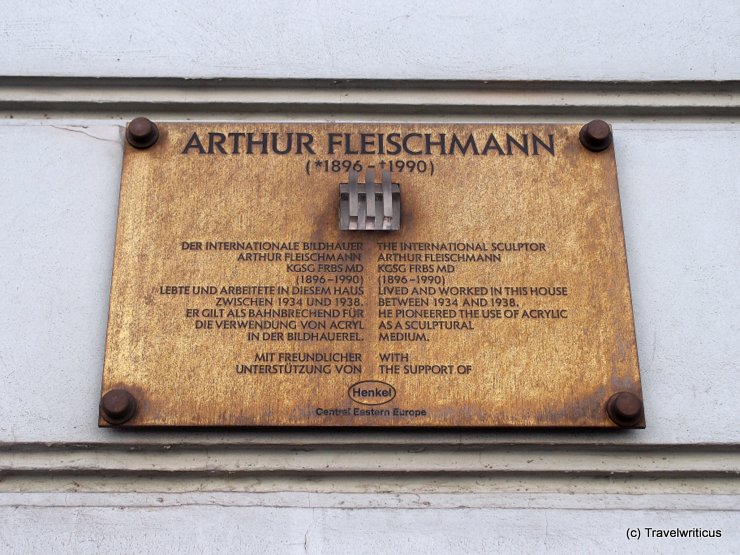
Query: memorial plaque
point(367, 274)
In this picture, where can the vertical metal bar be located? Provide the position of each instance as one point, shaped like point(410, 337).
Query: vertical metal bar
point(387, 200)
point(343, 206)
point(353, 199)
point(370, 198)
point(361, 207)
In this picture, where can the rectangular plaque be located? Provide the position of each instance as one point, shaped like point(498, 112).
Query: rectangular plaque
point(502, 299)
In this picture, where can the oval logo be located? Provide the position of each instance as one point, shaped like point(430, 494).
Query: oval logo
point(371, 392)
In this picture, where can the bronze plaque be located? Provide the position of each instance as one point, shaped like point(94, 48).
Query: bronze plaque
point(501, 299)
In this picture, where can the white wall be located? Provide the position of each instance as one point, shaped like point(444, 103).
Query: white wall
point(66, 484)
point(483, 40)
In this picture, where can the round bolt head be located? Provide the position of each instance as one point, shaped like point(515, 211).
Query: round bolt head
point(625, 409)
point(596, 135)
point(117, 406)
point(142, 133)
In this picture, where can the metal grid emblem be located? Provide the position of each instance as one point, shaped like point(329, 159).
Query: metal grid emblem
point(369, 206)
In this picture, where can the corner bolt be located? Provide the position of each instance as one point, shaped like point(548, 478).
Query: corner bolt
point(117, 406)
point(625, 409)
point(596, 135)
point(142, 133)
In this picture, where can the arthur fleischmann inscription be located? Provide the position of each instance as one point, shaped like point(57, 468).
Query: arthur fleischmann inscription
point(364, 143)
point(502, 299)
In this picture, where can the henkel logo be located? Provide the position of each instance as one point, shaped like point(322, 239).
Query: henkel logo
point(371, 392)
